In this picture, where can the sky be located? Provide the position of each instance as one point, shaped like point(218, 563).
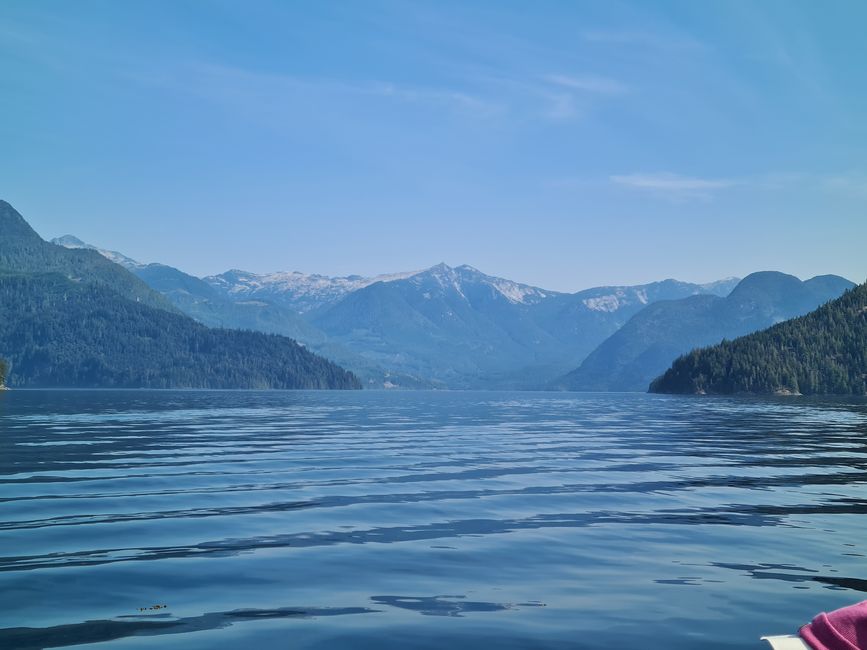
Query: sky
point(561, 144)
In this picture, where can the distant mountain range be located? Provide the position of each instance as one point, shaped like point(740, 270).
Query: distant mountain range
point(443, 326)
point(647, 344)
point(71, 317)
point(464, 329)
point(822, 353)
point(456, 327)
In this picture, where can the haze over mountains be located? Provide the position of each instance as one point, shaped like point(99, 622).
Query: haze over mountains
point(440, 327)
point(645, 346)
point(461, 328)
point(457, 327)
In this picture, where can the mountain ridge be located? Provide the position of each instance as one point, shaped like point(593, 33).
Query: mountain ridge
point(441, 326)
point(647, 344)
point(73, 318)
point(821, 353)
point(23, 250)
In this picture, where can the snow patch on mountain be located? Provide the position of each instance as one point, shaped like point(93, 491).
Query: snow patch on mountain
point(301, 291)
point(459, 278)
point(519, 293)
point(618, 299)
point(70, 241)
point(721, 287)
point(609, 303)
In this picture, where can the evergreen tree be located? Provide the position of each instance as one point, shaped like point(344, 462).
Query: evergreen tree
point(822, 353)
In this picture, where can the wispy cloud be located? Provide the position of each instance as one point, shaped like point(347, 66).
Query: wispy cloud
point(567, 97)
point(446, 97)
point(851, 183)
point(680, 188)
point(673, 186)
point(267, 93)
point(641, 39)
point(588, 84)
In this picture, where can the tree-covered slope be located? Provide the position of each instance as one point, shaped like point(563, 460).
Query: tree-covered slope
point(71, 317)
point(22, 250)
point(822, 353)
point(647, 344)
point(215, 308)
point(58, 332)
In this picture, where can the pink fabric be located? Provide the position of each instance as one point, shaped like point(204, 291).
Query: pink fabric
point(842, 629)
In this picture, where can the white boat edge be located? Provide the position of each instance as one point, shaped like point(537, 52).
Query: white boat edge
point(786, 642)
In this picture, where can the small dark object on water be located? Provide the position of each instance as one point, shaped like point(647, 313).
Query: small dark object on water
point(152, 607)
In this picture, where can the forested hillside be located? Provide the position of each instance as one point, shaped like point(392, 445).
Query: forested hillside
point(822, 353)
point(22, 250)
point(657, 335)
point(71, 317)
point(60, 333)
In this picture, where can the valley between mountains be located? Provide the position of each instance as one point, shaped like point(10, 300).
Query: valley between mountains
point(459, 328)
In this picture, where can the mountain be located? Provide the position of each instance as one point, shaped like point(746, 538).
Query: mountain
point(23, 251)
point(588, 317)
point(647, 344)
point(465, 329)
point(722, 287)
point(215, 307)
point(198, 299)
point(59, 333)
point(297, 291)
point(208, 305)
point(444, 324)
point(822, 353)
point(445, 327)
point(71, 318)
point(205, 303)
point(69, 241)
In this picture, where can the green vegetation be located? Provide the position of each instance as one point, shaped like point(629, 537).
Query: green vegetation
point(74, 318)
point(661, 332)
point(822, 353)
point(57, 332)
point(24, 251)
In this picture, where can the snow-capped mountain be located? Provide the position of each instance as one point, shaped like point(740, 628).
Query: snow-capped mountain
point(456, 278)
point(308, 292)
point(299, 291)
point(463, 328)
point(69, 241)
point(449, 326)
point(721, 288)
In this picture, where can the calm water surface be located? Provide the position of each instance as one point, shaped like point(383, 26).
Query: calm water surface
point(424, 520)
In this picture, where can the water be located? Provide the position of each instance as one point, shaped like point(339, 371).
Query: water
point(424, 520)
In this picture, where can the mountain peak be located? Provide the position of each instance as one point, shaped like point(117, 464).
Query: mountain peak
point(12, 224)
point(765, 281)
point(71, 241)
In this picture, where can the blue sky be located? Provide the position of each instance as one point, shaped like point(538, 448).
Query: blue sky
point(562, 144)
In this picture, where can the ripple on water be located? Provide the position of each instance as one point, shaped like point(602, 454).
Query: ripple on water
point(536, 519)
